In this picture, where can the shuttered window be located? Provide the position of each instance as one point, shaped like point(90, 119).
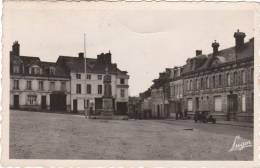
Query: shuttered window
point(218, 103)
point(189, 104)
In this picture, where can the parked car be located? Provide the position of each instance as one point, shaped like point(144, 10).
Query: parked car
point(204, 117)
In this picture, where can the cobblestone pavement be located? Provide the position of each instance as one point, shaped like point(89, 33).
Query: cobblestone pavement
point(36, 135)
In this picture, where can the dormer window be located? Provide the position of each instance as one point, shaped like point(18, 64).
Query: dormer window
point(52, 71)
point(16, 69)
point(35, 70)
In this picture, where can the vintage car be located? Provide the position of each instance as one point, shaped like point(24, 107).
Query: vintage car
point(204, 117)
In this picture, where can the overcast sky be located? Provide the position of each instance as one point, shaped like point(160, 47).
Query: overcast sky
point(142, 42)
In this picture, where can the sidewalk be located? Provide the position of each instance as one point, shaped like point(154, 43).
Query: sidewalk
point(233, 123)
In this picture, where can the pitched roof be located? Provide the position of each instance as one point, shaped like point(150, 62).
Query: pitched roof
point(76, 64)
point(223, 56)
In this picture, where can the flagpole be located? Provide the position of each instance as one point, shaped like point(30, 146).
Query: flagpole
point(85, 74)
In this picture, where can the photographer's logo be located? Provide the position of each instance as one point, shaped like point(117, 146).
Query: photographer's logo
point(240, 143)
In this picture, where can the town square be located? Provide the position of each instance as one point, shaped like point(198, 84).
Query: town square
point(170, 85)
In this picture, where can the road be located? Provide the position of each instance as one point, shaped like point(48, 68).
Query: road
point(37, 135)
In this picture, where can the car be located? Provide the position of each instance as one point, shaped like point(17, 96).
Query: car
point(204, 117)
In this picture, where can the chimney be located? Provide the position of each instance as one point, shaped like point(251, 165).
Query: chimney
point(198, 52)
point(239, 38)
point(81, 55)
point(215, 46)
point(15, 49)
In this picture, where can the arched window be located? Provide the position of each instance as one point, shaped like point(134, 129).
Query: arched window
point(235, 78)
point(228, 79)
point(213, 82)
point(190, 84)
point(219, 80)
point(243, 74)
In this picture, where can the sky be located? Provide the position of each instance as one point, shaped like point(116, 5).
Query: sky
point(142, 41)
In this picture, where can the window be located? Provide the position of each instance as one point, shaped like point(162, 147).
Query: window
point(243, 103)
point(99, 89)
point(122, 93)
point(235, 78)
point(213, 82)
point(219, 80)
point(228, 79)
point(99, 77)
point(207, 80)
point(16, 84)
point(190, 84)
point(201, 83)
point(122, 81)
point(31, 99)
point(78, 88)
point(218, 103)
point(78, 76)
point(88, 89)
point(52, 70)
point(29, 85)
point(16, 69)
point(40, 85)
point(63, 86)
point(52, 86)
point(189, 101)
point(35, 70)
point(243, 77)
point(88, 76)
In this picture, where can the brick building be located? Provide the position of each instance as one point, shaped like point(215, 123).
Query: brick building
point(222, 81)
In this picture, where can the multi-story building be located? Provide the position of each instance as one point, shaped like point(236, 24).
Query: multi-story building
point(221, 83)
point(66, 84)
point(176, 93)
point(160, 95)
point(87, 89)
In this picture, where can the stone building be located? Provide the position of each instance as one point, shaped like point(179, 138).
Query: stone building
point(160, 94)
point(176, 93)
point(35, 84)
point(221, 83)
point(87, 89)
point(63, 85)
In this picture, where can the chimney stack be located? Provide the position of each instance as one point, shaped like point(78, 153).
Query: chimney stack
point(198, 52)
point(239, 37)
point(15, 49)
point(215, 46)
point(81, 55)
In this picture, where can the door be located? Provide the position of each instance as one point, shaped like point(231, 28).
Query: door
point(43, 103)
point(16, 101)
point(75, 105)
point(58, 101)
point(232, 106)
point(122, 108)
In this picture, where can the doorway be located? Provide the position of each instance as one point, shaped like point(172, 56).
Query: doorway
point(16, 101)
point(232, 106)
point(75, 105)
point(43, 102)
point(58, 101)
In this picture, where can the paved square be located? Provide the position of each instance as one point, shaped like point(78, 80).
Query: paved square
point(37, 135)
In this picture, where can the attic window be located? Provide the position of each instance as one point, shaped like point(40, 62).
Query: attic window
point(35, 70)
point(52, 70)
point(16, 69)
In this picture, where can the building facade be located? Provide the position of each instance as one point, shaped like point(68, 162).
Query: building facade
point(221, 83)
point(70, 84)
point(176, 94)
